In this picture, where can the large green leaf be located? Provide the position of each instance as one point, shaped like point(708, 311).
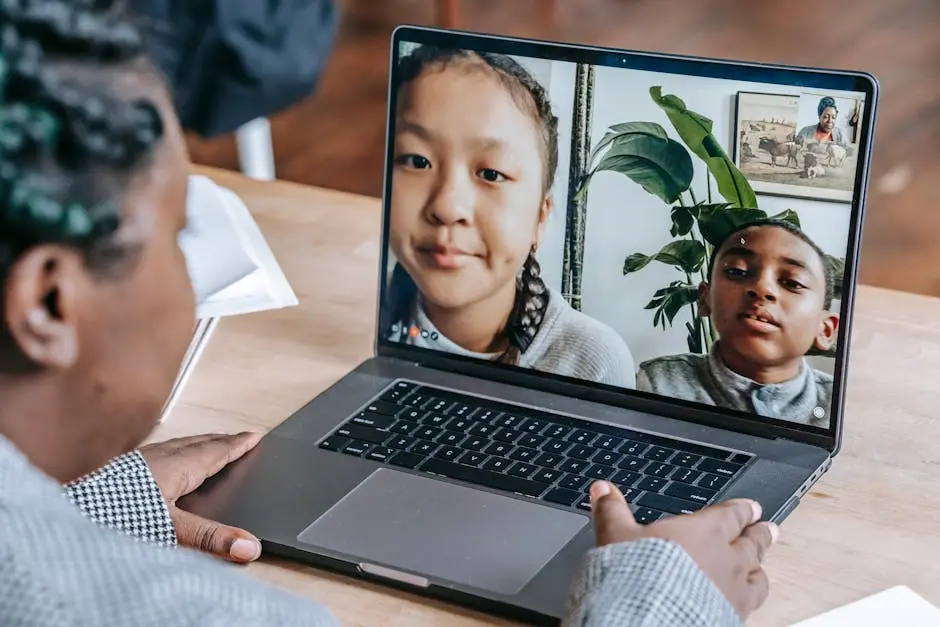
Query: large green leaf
point(660, 166)
point(669, 301)
point(683, 219)
point(731, 183)
point(685, 254)
point(718, 221)
point(627, 128)
point(696, 131)
point(692, 127)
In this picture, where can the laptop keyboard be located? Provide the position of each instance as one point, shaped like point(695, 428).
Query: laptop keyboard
point(538, 454)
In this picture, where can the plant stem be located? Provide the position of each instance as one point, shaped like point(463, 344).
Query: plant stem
point(692, 194)
point(708, 174)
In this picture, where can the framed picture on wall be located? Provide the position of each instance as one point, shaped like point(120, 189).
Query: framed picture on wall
point(801, 145)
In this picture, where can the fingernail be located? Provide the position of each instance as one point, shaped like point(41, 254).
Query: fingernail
point(774, 533)
point(757, 511)
point(599, 490)
point(243, 549)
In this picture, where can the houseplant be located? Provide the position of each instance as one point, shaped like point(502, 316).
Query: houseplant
point(646, 155)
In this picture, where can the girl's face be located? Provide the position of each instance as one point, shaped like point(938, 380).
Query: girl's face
point(468, 197)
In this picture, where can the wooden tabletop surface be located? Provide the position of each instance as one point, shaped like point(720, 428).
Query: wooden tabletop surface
point(871, 523)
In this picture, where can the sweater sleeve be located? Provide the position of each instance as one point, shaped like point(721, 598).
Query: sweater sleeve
point(124, 496)
point(647, 583)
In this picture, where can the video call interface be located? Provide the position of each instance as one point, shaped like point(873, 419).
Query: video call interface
point(679, 235)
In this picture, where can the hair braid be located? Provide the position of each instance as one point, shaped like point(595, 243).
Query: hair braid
point(527, 315)
point(69, 143)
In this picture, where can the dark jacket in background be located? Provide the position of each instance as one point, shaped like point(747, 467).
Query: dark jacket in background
point(231, 61)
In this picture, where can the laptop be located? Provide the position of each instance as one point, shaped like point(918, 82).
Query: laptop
point(595, 264)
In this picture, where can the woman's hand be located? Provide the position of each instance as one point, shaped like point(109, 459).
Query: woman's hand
point(725, 540)
point(180, 466)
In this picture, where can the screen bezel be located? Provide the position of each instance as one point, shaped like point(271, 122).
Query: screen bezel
point(794, 76)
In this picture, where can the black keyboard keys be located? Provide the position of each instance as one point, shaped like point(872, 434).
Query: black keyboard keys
point(562, 496)
point(712, 482)
point(690, 493)
point(485, 478)
point(716, 467)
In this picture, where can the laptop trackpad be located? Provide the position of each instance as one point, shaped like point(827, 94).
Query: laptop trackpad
point(444, 532)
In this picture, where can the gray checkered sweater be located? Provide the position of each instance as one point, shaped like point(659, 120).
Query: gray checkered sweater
point(118, 564)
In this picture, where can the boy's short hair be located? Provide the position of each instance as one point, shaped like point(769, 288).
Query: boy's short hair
point(828, 277)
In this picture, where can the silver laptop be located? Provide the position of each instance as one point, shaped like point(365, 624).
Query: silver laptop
point(596, 264)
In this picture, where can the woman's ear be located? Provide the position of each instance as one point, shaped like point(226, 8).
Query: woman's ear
point(39, 306)
point(703, 309)
point(828, 332)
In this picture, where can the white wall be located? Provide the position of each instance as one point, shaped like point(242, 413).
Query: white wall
point(622, 218)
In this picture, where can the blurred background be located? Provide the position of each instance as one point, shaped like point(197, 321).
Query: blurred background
point(335, 137)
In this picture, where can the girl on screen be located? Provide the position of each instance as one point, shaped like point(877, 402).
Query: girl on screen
point(476, 149)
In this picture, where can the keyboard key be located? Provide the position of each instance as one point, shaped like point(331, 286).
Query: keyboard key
point(632, 463)
point(585, 502)
point(400, 442)
point(439, 405)
point(531, 440)
point(458, 423)
point(630, 493)
point(404, 427)
point(334, 443)
point(608, 443)
point(741, 458)
point(686, 460)
point(411, 415)
point(397, 392)
point(527, 455)
point(652, 484)
point(685, 475)
point(582, 452)
point(475, 444)
point(380, 454)
point(690, 493)
point(376, 421)
point(428, 433)
point(608, 458)
point(645, 515)
point(482, 429)
point(418, 401)
point(572, 482)
point(472, 458)
point(533, 425)
point(522, 470)
point(574, 466)
point(484, 478)
point(556, 446)
point(356, 448)
point(546, 475)
point(581, 437)
point(660, 470)
point(658, 454)
point(506, 435)
point(497, 464)
point(423, 447)
point(366, 434)
point(633, 448)
point(548, 460)
point(562, 496)
point(714, 466)
point(556, 431)
point(712, 482)
point(461, 410)
point(382, 407)
point(498, 448)
point(406, 460)
point(450, 453)
point(435, 420)
point(668, 504)
point(508, 421)
point(451, 438)
point(486, 415)
point(599, 471)
point(626, 478)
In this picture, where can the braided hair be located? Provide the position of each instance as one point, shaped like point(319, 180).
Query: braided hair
point(69, 143)
point(828, 273)
point(531, 293)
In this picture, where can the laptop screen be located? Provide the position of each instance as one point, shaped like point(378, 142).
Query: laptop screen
point(675, 228)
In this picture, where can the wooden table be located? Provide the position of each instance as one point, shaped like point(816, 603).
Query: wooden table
point(871, 523)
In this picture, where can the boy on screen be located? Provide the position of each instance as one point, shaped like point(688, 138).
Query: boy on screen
point(768, 295)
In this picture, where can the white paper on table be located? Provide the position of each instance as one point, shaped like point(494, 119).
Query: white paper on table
point(216, 256)
point(896, 606)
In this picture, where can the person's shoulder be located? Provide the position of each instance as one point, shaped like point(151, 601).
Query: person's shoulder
point(671, 363)
point(822, 379)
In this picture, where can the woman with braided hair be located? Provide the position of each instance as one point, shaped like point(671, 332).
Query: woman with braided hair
point(97, 311)
point(476, 149)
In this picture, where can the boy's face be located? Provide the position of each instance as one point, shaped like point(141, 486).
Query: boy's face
point(766, 299)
